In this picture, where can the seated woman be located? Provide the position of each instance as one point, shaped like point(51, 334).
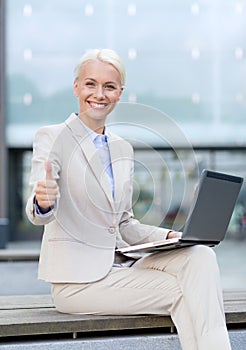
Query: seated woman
point(81, 182)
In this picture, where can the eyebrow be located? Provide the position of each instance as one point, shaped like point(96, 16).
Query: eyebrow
point(107, 82)
point(90, 79)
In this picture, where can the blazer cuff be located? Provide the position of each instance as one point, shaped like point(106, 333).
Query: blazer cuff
point(38, 209)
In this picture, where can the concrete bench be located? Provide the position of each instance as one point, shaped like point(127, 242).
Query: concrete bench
point(35, 315)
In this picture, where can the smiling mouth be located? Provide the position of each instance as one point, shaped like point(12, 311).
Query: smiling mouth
point(95, 105)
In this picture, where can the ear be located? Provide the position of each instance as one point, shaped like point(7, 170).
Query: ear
point(121, 91)
point(76, 87)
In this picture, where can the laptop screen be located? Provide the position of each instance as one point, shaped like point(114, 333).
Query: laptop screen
point(212, 207)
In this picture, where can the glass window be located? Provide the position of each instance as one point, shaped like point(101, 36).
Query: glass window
point(181, 57)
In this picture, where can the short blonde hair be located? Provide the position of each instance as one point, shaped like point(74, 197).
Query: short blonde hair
point(103, 55)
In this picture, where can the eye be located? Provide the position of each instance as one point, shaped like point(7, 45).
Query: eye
point(90, 83)
point(110, 87)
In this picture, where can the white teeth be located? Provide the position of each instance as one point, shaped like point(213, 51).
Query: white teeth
point(97, 105)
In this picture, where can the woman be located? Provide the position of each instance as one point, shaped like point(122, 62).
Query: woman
point(82, 192)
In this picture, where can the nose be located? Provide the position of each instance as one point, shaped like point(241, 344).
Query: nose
point(99, 92)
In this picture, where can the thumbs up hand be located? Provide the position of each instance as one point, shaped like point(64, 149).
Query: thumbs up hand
point(47, 190)
point(48, 170)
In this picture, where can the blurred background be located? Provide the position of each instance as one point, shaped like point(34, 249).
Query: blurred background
point(183, 107)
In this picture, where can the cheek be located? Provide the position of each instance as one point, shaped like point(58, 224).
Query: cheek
point(115, 97)
point(82, 92)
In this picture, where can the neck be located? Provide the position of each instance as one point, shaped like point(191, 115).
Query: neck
point(96, 125)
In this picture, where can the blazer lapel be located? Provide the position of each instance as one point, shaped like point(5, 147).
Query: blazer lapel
point(87, 147)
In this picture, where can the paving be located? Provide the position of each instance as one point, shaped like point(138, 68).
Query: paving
point(143, 342)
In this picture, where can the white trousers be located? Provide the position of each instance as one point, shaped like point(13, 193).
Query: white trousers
point(183, 283)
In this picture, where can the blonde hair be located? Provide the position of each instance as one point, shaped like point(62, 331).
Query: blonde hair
point(103, 55)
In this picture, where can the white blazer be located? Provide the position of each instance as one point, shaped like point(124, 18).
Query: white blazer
point(81, 233)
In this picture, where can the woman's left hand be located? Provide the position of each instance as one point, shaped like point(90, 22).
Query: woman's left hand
point(174, 234)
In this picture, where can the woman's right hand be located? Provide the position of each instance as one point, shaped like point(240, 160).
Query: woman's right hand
point(47, 190)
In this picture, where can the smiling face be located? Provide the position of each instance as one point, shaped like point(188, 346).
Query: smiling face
point(98, 89)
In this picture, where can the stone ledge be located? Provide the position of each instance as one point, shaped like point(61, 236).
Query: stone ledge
point(19, 255)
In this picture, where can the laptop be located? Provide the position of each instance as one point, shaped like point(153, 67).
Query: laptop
point(209, 215)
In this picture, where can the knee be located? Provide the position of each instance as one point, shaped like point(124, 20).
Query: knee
point(202, 255)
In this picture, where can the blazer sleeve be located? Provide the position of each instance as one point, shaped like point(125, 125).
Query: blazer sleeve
point(43, 149)
point(134, 232)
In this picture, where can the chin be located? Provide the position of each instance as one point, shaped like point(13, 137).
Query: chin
point(97, 115)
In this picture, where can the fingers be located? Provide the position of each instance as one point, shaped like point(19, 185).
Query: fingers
point(174, 234)
point(46, 194)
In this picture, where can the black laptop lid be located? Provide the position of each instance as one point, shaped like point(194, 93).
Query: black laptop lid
point(213, 206)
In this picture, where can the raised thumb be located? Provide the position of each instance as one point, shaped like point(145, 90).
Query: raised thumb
point(48, 170)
